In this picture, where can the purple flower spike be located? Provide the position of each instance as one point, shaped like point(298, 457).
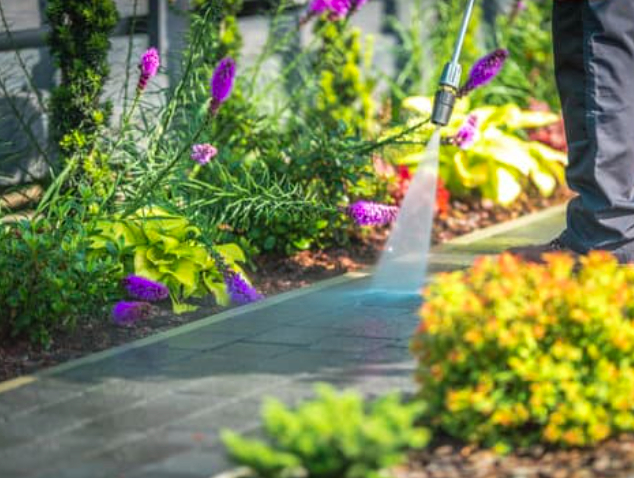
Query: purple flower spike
point(366, 213)
point(203, 153)
point(125, 313)
point(337, 9)
point(145, 289)
point(222, 83)
point(484, 70)
point(319, 6)
point(150, 62)
point(240, 291)
point(466, 135)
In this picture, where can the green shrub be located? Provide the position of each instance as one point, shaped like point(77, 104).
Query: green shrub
point(512, 354)
point(341, 69)
point(333, 436)
point(500, 163)
point(79, 42)
point(49, 280)
point(167, 248)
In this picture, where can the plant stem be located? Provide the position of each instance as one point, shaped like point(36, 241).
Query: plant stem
point(149, 187)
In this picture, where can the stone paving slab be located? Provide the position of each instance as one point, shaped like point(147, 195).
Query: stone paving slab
point(155, 408)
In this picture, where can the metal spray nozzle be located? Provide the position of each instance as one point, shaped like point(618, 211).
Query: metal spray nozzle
point(446, 94)
point(450, 80)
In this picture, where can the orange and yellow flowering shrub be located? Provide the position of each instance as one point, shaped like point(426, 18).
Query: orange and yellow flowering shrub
point(512, 354)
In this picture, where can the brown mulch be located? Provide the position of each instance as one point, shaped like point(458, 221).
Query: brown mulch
point(273, 275)
point(611, 459)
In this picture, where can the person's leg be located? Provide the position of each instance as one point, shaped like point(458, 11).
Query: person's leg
point(594, 65)
point(595, 77)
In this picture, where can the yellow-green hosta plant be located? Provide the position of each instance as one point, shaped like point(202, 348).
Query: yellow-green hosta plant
point(485, 150)
point(166, 248)
point(513, 354)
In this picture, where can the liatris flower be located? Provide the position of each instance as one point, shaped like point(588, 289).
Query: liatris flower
point(203, 153)
point(124, 313)
point(318, 7)
point(145, 289)
point(222, 83)
point(240, 291)
point(150, 62)
point(366, 213)
point(467, 134)
point(337, 9)
point(484, 70)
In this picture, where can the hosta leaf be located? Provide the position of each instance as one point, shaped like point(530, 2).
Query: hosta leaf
point(143, 266)
point(505, 149)
point(183, 270)
point(231, 252)
point(544, 180)
point(546, 153)
point(506, 187)
point(156, 256)
point(158, 239)
point(512, 117)
point(193, 252)
point(471, 173)
point(181, 308)
point(218, 289)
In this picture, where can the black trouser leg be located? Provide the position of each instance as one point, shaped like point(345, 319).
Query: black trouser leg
point(594, 59)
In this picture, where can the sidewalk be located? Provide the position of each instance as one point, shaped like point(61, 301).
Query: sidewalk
point(154, 408)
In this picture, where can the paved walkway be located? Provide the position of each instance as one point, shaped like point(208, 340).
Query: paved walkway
point(154, 408)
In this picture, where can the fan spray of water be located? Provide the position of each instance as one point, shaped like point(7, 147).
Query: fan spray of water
point(403, 265)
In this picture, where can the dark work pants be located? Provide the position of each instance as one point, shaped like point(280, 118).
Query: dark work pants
point(594, 61)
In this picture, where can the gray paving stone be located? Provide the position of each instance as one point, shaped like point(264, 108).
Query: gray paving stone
point(339, 343)
point(158, 410)
point(203, 340)
point(291, 335)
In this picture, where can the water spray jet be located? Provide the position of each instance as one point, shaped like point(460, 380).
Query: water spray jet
point(400, 273)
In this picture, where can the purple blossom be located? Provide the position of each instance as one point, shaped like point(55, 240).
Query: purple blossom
point(466, 135)
point(484, 70)
point(145, 289)
point(319, 6)
point(222, 83)
point(203, 153)
point(240, 291)
point(366, 213)
point(150, 62)
point(337, 9)
point(124, 313)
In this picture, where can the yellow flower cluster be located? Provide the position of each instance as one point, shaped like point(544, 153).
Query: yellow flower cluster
point(512, 354)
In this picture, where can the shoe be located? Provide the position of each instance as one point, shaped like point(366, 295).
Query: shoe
point(535, 253)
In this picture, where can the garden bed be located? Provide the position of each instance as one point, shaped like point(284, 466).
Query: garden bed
point(273, 276)
point(613, 458)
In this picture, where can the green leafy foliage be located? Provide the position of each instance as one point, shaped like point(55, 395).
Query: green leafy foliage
point(334, 435)
point(167, 248)
point(341, 69)
point(79, 42)
point(49, 279)
point(529, 72)
point(513, 354)
point(501, 162)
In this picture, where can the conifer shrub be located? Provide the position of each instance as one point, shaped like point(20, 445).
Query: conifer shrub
point(512, 354)
point(334, 435)
point(79, 42)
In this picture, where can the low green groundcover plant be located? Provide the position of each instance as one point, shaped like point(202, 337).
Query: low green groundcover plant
point(513, 354)
point(334, 436)
point(50, 280)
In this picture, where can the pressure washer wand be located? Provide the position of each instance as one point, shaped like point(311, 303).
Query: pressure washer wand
point(450, 80)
